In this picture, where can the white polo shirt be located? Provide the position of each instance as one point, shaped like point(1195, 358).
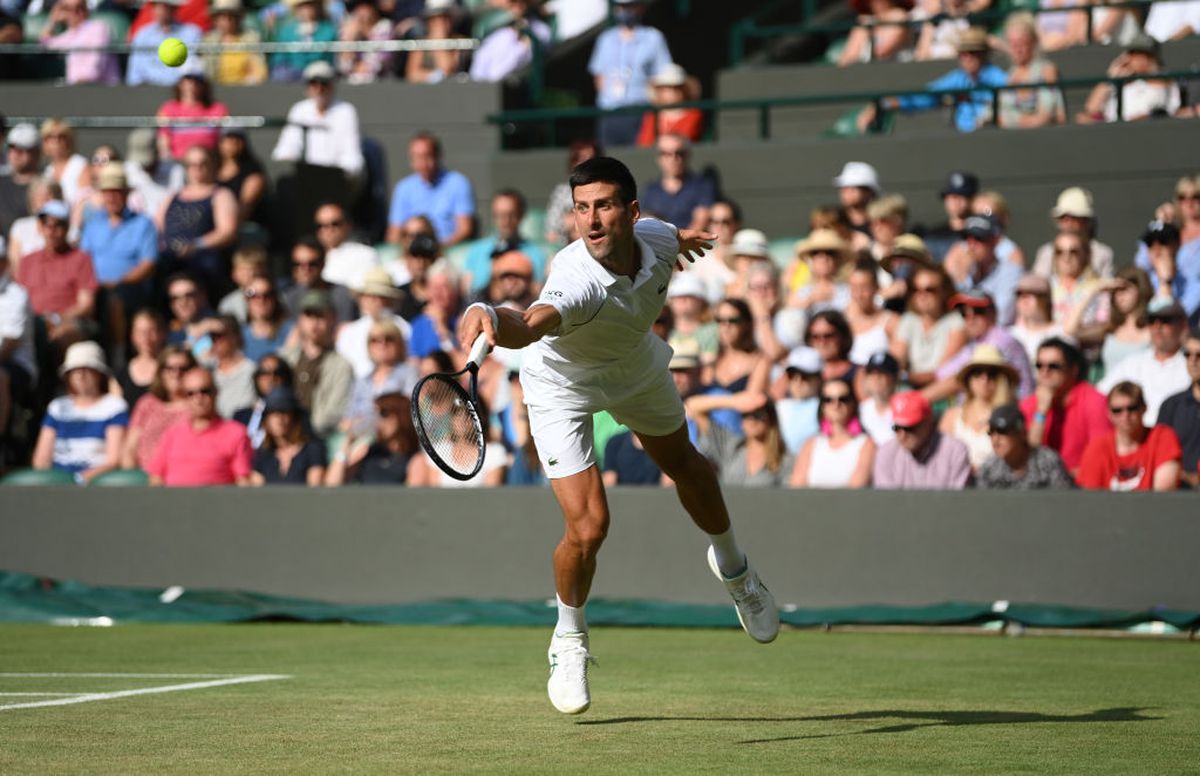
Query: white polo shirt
point(1158, 379)
point(605, 338)
point(16, 323)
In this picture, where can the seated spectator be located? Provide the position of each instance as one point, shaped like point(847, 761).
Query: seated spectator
point(749, 249)
point(1073, 284)
point(61, 281)
point(393, 457)
point(692, 321)
point(1171, 276)
point(90, 199)
point(678, 196)
point(888, 220)
point(230, 66)
point(1140, 99)
point(881, 374)
point(958, 200)
point(268, 327)
point(1064, 411)
point(25, 234)
point(144, 65)
point(1131, 457)
point(798, 408)
point(152, 179)
point(148, 335)
point(434, 328)
point(1074, 212)
point(390, 373)
point(512, 283)
point(1127, 331)
point(272, 372)
point(376, 299)
point(323, 378)
point(908, 253)
point(24, 165)
point(508, 208)
point(346, 261)
point(189, 311)
point(985, 270)
point(249, 262)
point(191, 98)
point(18, 365)
point(1173, 20)
point(873, 327)
point(63, 165)
point(931, 332)
point(364, 23)
point(979, 314)
point(432, 66)
point(1187, 201)
point(159, 408)
point(920, 457)
point(987, 382)
point(308, 266)
point(945, 21)
point(287, 455)
point(686, 369)
point(824, 253)
point(1034, 323)
point(1028, 108)
point(198, 226)
point(203, 449)
point(420, 256)
point(510, 48)
point(842, 454)
point(306, 23)
point(992, 204)
point(974, 71)
point(83, 431)
point(495, 459)
point(626, 462)
point(882, 33)
point(232, 372)
point(671, 86)
point(560, 218)
point(1016, 464)
point(1161, 369)
point(775, 330)
point(716, 271)
point(1182, 413)
point(240, 171)
point(1062, 29)
point(69, 29)
point(444, 196)
point(740, 365)
point(752, 455)
point(322, 130)
point(828, 333)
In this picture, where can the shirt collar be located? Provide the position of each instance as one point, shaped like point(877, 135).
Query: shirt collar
point(608, 279)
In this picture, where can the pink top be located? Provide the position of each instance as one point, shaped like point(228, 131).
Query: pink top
point(87, 67)
point(218, 455)
point(183, 139)
point(152, 416)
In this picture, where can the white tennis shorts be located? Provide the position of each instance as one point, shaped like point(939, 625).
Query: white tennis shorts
point(562, 424)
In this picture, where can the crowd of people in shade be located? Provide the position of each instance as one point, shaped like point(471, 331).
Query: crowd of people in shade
point(138, 330)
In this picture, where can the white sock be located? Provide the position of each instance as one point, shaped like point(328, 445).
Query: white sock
point(730, 558)
point(571, 619)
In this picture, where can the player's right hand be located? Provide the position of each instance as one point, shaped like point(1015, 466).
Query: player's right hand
point(473, 322)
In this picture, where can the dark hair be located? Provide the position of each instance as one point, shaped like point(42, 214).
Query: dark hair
point(734, 208)
point(428, 137)
point(278, 313)
point(156, 385)
point(512, 194)
point(232, 328)
point(605, 169)
point(850, 392)
point(578, 146)
point(442, 359)
point(840, 326)
point(1070, 353)
point(282, 367)
point(332, 203)
point(1140, 280)
point(152, 315)
point(204, 88)
point(745, 340)
point(867, 265)
point(310, 242)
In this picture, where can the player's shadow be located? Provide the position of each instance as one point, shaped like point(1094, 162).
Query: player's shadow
point(912, 720)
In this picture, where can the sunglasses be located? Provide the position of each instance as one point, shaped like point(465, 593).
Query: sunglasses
point(967, 311)
point(381, 341)
point(1192, 355)
point(254, 293)
point(927, 289)
point(386, 413)
point(1053, 366)
point(184, 295)
point(1002, 432)
point(194, 392)
point(756, 415)
point(896, 428)
point(821, 336)
point(1035, 294)
point(1124, 409)
point(1194, 197)
point(729, 321)
point(100, 159)
point(1067, 252)
point(175, 368)
point(306, 264)
point(330, 224)
point(841, 398)
point(268, 373)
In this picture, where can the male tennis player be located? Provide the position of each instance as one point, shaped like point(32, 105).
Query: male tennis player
point(595, 351)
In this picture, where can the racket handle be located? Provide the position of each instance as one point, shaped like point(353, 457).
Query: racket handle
point(479, 350)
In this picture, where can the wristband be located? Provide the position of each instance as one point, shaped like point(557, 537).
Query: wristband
point(339, 457)
point(487, 308)
point(1039, 417)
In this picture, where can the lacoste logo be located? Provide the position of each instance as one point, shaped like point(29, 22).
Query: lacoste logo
point(662, 288)
point(553, 462)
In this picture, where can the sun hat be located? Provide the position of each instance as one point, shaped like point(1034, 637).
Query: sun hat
point(84, 355)
point(750, 242)
point(686, 355)
point(859, 175)
point(378, 282)
point(987, 355)
point(824, 240)
point(1074, 201)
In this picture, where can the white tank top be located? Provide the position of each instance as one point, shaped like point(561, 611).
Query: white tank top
point(830, 468)
point(979, 444)
point(869, 342)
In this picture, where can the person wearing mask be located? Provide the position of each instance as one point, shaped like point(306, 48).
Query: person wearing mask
point(626, 56)
point(1064, 411)
point(203, 449)
point(920, 457)
point(1016, 464)
point(1132, 457)
point(842, 454)
point(288, 454)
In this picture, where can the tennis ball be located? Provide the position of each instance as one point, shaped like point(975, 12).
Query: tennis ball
point(173, 52)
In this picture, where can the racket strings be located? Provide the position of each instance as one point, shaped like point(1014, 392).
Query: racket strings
point(450, 424)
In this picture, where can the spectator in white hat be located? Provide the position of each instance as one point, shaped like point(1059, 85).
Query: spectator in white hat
point(799, 404)
point(857, 185)
point(688, 299)
point(749, 248)
point(671, 86)
point(1073, 211)
point(24, 164)
point(377, 297)
point(144, 65)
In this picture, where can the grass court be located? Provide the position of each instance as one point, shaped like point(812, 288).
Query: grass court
point(406, 699)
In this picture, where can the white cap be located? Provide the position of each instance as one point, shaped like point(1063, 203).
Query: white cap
point(1074, 201)
point(750, 242)
point(55, 208)
point(858, 174)
point(806, 360)
point(24, 136)
point(670, 75)
point(319, 71)
point(84, 355)
point(687, 284)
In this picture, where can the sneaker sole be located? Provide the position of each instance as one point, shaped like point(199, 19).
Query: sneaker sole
point(712, 565)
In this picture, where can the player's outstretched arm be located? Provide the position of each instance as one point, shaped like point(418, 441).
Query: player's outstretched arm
point(508, 328)
point(695, 241)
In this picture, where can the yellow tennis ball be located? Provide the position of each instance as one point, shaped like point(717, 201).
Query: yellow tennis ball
point(173, 52)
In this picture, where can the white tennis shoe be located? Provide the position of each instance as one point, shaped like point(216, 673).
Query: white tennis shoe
point(755, 605)
point(568, 683)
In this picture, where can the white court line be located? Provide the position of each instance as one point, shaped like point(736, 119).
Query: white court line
point(107, 696)
point(69, 675)
point(8, 694)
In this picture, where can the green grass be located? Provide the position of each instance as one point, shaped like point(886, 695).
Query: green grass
point(472, 699)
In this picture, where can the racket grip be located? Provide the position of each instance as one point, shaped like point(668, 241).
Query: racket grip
point(479, 350)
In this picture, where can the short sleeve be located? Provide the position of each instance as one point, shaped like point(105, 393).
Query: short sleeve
point(398, 212)
point(663, 238)
point(242, 454)
point(464, 197)
point(576, 299)
point(157, 465)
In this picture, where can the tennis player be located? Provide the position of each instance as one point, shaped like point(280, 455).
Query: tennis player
point(593, 350)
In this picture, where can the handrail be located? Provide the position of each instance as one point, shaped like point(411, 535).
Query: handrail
point(764, 105)
point(262, 47)
point(155, 122)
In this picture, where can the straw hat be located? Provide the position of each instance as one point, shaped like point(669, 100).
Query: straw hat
point(988, 355)
point(825, 240)
point(84, 355)
point(972, 40)
point(377, 282)
point(907, 246)
point(112, 177)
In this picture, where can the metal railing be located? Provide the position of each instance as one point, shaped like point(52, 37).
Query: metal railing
point(549, 118)
point(154, 122)
point(261, 47)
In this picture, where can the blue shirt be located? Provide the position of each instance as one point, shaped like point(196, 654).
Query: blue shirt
point(1186, 286)
point(118, 249)
point(626, 66)
point(633, 465)
point(450, 195)
point(424, 339)
point(1001, 285)
point(697, 191)
point(968, 109)
point(145, 66)
point(79, 432)
point(479, 261)
point(255, 348)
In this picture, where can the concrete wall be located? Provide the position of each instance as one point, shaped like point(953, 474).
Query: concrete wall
point(813, 548)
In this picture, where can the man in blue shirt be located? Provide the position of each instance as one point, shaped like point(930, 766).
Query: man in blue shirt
point(124, 249)
point(679, 196)
point(508, 208)
point(623, 61)
point(444, 196)
point(145, 66)
point(988, 273)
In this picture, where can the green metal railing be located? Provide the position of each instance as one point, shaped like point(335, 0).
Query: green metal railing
point(763, 106)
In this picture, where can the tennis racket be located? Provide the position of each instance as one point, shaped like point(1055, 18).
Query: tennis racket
point(446, 417)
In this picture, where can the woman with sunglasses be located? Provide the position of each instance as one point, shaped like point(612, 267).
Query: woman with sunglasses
point(842, 454)
point(828, 332)
point(63, 165)
point(390, 372)
point(1034, 322)
point(392, 457)
point(1131, 457)
point(231, 370)
point(147, 335)
point(929, 333)
point(758, 457)
point(288, 454)
point(267, 323)
point(987, 382)
point(272, 372)
point(1073, 283)
point(161, 407)
point(740, 365)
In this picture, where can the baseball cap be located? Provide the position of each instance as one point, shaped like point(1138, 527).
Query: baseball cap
point(56, 209)
point(1033, 284)
point(882, 361)
point(805, 360)
point(423, 247)
point(686, 355)
point(982, 227)
point(687, 284)
point(316, 301)
point(976, 297)
point(24, 136)
point(1006, 419)
point(1165, 309)
point(1161, 232)
point(1143, 43)
point(112, 177)
point(1074, 201)
point(858, 174)
point(962, 183)
point(319, 71)
point(140, 147)
point(671, 75)
point(750, 242)
point(438, 7)
point(910, 409)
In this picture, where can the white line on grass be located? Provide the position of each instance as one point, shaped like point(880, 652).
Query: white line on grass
point(107, 696)
point(71, 675)
point(7, 694)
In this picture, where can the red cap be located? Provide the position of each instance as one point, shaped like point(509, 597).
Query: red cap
point(910, 408)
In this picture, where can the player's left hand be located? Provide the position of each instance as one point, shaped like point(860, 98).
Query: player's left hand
point(694, 241)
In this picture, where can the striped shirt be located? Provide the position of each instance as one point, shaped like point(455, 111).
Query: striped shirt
point(79, 431)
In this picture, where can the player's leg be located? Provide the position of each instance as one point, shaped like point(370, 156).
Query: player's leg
point(585, 518)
